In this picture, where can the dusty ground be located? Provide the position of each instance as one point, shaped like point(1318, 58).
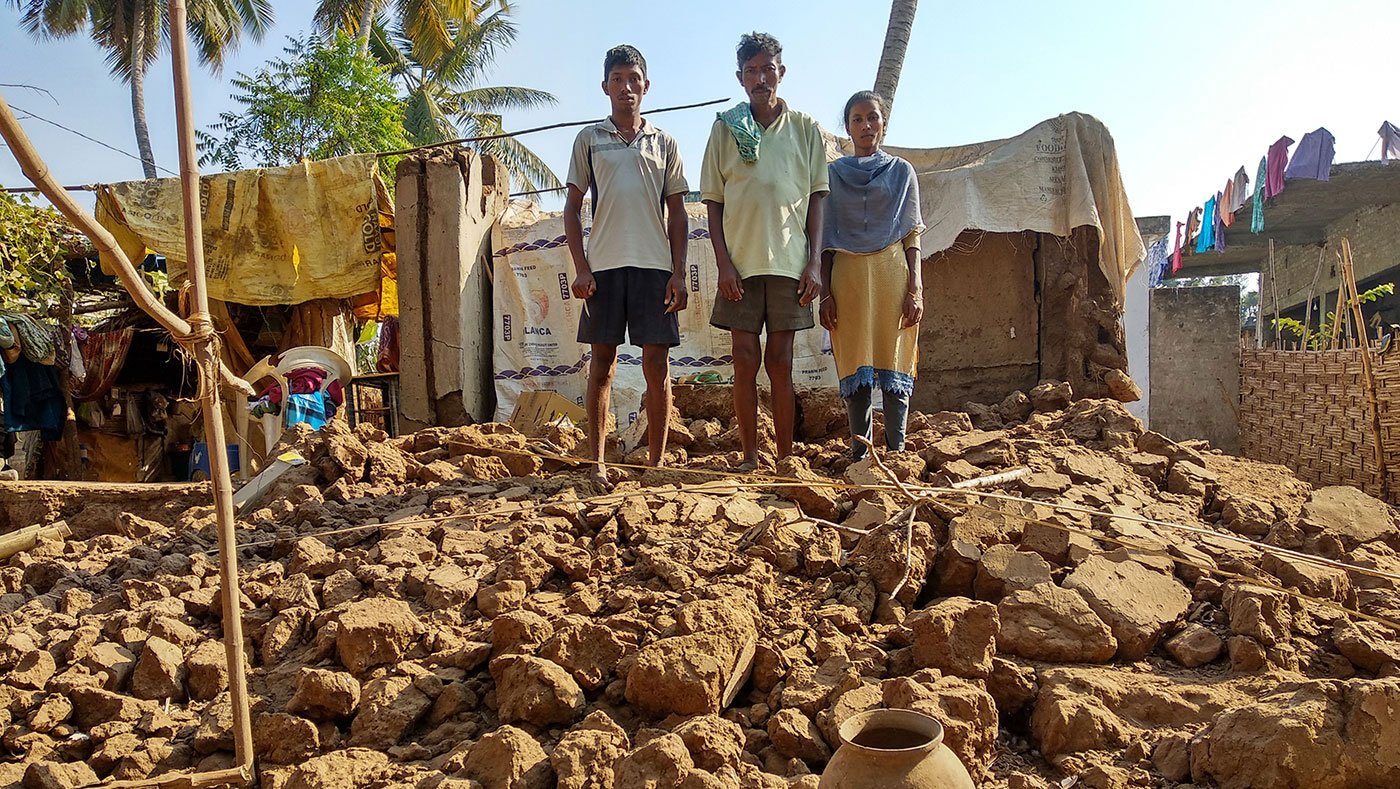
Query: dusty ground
point(447, 610)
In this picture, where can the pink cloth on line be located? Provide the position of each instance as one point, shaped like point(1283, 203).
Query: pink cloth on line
point(1277, 163)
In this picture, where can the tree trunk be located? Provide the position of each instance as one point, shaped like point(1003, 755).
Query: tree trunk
point(366, 25)
point(138, 96)
point(892, 57)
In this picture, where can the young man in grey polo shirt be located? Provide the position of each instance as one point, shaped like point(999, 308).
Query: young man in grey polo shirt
point(632, 273)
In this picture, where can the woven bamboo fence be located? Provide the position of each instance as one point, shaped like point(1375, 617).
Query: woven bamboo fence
point(1309, 411)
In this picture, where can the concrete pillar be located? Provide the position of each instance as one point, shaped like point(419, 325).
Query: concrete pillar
point(446, 207)
point(1194, 339)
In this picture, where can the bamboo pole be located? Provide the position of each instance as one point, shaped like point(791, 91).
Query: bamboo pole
point(1336, 311)
point(207, 358)
point(1312, 292)
point(196, 334)
point(1273, 286)
point(25, 539)
point(1367, 371)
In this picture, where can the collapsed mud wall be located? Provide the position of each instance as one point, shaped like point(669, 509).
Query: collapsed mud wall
point(1004, 311)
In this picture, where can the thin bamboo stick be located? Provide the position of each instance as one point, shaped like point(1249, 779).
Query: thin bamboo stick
point(1336, 315)
point(1273, 286)
point(1367, 370)
point(1312, 292)
point(207, 358)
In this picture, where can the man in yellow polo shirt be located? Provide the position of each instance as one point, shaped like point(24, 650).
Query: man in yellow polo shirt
point(762, 181)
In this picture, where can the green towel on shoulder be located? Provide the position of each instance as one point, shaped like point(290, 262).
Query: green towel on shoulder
point(747, 133)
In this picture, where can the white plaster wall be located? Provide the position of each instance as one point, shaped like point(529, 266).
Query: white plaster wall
point(1135, 327)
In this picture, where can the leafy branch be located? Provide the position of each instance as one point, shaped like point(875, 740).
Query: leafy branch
point(1316, 340)
point(32, 243)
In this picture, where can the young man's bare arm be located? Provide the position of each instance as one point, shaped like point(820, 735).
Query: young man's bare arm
point(677, 232)
point(584, 286)
point(730, 286)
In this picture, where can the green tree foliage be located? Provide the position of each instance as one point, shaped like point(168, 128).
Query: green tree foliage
point(446, 100)
point(32, 240)
point(324, 99)
point(430, 24)
point(1318, 339)
point(133, 33)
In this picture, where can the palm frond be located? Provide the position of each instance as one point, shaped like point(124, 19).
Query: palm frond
point(428, 26)
point(425, 121)
point(503, 97)
point(388, 50)
point(525, 166)
point(343, 15)
point(474, 49)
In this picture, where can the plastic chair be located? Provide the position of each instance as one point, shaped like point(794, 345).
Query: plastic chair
point(333, 364)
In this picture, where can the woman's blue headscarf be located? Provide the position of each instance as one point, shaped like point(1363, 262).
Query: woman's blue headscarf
point(874, 202)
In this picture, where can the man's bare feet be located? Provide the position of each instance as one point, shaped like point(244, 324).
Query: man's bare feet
point(599, 476)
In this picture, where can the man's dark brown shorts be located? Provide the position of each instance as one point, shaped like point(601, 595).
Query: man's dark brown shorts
point(769, 301)
point(630, 301)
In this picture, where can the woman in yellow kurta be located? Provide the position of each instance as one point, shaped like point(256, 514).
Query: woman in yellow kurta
point(872, 288)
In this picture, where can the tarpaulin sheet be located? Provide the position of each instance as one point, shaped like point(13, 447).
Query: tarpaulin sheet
point(282, 235)
point(1058, 175)
point(536, 323)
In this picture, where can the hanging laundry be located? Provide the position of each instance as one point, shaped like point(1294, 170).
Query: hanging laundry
point(1227, 198)
point(33, 338)
point(1205, 240)
point(1241, 193)
point(1219, 225)
point(1193, 226)
point(104, 355)
point(1390, 141)
point(7, 344)
point(1256, 224)
point(1176, 251)
point(1313, 156)
point(388, 359)
point(1157, 262)
point(33, 398)
point(1277, 162)
point(77, 371)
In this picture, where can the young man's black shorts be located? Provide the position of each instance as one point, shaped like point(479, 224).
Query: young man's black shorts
point(630, 301)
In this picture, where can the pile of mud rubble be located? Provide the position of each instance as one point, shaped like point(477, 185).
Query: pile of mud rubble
point(458, 608)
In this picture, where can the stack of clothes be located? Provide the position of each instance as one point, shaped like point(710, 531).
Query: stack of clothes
point(306, 402)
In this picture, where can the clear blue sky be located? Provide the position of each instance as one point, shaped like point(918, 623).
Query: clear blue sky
point(1190, 92)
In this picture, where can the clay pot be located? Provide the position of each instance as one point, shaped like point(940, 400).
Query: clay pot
point(893, 749)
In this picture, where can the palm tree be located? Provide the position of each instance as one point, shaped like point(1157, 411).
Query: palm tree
point(133, 32)
point(445, 102)
point(897, 35)
point(429, 24)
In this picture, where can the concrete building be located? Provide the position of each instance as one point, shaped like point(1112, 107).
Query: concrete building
point(1306, 223)
point(1135, 318)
